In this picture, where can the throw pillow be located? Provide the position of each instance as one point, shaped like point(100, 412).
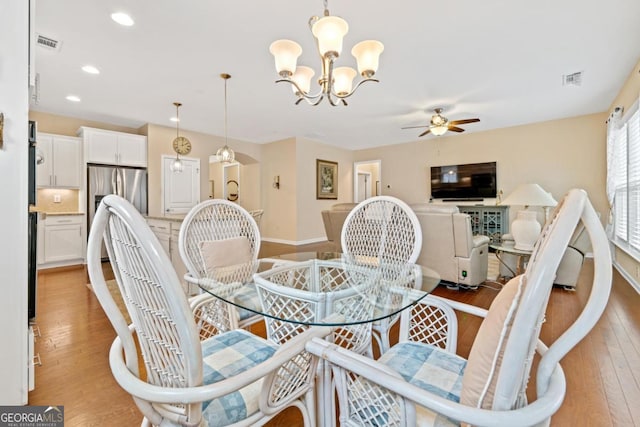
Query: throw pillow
point(481, 374)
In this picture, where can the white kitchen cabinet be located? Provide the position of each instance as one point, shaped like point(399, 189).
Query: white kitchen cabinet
point(114, 148)
point(61, 161)
point(63, 243)
point(167, 232)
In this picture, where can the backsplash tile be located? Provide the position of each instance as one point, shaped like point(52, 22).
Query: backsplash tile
point(68, 200)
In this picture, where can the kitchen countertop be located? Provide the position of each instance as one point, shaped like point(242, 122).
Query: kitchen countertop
point(62, 213)
point(176, 218)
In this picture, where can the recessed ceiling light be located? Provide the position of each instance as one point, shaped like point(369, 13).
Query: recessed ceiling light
point(122, 19)
point(174, 119)
point(73, 98)
point(90, 69)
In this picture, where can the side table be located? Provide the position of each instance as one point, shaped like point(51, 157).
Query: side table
point(522, 257)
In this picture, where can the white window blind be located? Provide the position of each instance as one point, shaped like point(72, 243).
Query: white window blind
point(623, 146)
point(633, 166)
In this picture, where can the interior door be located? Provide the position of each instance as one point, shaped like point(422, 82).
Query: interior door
point(364, 187)
point(181, 190)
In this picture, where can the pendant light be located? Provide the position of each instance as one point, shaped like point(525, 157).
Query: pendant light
point(225, 154)
point(180, 145)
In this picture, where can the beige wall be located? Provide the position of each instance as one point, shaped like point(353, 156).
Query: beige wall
point(629, 94)
point(309, 219)
point(280, 210)
point(558, 155)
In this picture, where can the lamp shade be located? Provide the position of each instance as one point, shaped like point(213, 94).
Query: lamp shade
point(302, 77)
point(329, 31)
point(439, 130)
point(343, 80)
point(286, 53)
point(530, 195)
point(367, 54)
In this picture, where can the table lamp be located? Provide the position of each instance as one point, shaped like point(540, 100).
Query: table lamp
point(526, 228)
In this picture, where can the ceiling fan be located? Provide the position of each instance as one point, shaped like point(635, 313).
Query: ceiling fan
point(440, 124)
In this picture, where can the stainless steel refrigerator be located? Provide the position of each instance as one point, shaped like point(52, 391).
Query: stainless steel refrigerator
point(127, 182)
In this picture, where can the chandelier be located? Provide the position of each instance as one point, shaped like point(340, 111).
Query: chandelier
point(336, 84)
point(225, 154)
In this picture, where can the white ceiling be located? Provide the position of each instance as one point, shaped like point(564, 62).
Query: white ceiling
point(499, 60)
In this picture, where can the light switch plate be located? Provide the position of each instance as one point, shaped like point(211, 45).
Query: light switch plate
point(56, 198)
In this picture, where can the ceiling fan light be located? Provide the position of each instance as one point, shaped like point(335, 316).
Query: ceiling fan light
point(286, 53)
point(439, 130)
point(343, 80)
point(367, 54)
point(329, 31)
point(302, 77)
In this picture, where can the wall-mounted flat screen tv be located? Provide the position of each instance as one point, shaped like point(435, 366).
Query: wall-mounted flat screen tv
point(464, 182)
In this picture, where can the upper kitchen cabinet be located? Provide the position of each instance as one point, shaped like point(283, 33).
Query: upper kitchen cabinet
point(59, 161)
point(114, 148)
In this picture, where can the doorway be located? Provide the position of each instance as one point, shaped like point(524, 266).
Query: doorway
point(367, 179)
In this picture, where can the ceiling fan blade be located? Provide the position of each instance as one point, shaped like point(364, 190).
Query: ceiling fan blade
point(424, 133)
point(455, 129)
point(463, 121)
point(415, 127)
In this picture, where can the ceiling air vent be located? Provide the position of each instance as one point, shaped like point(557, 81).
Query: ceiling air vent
point(574, 79)
point(48, 43)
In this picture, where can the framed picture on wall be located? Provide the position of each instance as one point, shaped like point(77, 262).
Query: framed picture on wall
point(326, 179)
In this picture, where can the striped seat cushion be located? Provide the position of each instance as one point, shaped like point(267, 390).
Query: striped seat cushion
point(431, 369)
point(225, 356)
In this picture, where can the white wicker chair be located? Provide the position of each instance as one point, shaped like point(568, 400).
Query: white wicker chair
point(418, 383)
point(257, 215)
point(384, 231)
point(234, 378)
point(221, 222)
point(307, 292)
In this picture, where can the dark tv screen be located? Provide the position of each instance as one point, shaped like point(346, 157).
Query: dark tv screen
point(468, 181)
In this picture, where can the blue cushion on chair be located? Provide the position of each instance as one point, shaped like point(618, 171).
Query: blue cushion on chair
point(225, 356)
point(247, 296)
point(430, 368)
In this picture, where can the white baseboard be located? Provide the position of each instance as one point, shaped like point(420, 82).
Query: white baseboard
point(295, 242)
point(629, 278)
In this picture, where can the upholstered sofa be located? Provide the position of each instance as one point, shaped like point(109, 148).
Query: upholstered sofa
point(449, 246)
point(333, 220)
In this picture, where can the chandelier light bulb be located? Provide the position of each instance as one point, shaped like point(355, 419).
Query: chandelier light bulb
point(343, 80)
point(367, 54)
point(330, 30)
point(286, 53)
point(302, 77)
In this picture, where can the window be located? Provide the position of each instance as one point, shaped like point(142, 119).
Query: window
point(623, 145)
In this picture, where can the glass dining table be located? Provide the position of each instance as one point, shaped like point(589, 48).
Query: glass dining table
point(386, 284)
point(357, 296)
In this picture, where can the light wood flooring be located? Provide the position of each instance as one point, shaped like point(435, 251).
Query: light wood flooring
point(603, 371)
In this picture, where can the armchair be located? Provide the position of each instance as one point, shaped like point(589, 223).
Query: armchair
point(333, 220)
point(418, 383)
point(232, 378)
point(570, 264)
point(449, 246)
